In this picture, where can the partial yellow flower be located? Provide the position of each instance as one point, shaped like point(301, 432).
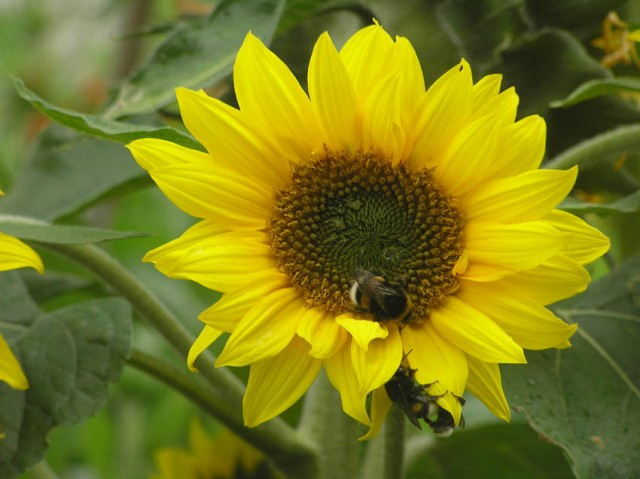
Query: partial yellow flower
point(224, 456)
point(434, 194)
point(617, 42)
point(14, 254)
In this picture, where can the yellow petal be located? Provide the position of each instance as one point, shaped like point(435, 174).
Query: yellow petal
point(268, 93)
point(525, 197)
point(376, 365)
point(10, 369)
point(530, 324)
point(219, 261)
point(440, 114)
point(475, 333)
point(516, 247)
point(521, 146)
point(380, 405)
point(382, 130)
point(321, 330)
point(466, 161)
point(363, 331)
point(265, 330)
point(232, 200)
point(333, 96)
point(435, 359)
point(229, 309)
point(277, 383)
point(484, 93)
point(485, 383)
point(365, 56)
point(206, 338)
point(501, 108)
point(230, 139)
point(16, 254)
point(151, 153)
point(557, 278)
point(587, 243)
point(342, 375)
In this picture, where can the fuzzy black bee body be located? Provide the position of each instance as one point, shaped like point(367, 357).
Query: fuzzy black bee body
point(412, 398)
point(371, 293)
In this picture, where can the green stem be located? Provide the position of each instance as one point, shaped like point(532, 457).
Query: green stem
point(276, 438)
point(394, 428)
point(334, 433)
point(189, 385)
point(589, 152)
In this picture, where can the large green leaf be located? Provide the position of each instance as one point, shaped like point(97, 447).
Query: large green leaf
point(63, 177)
point(497, 451)
point(628, 204)
point(69, 356)
point(586, 399)
point(582, 17)
point(35, 230)
point(595, 88)
point(482, 29)
point(101, 127)
point(197, 54)
point(547, 66)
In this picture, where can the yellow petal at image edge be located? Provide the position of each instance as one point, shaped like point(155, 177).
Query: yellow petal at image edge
point(475, 333)
point(380, 406)
point(231, 140)
point(265, 330)
point(206, 338)
point(16, 254)
point(362, 331)
point(379, 362)
point(530, 324)
point(278, 382)
point(319, 328)
point(333, 96)
point(586, 244)
point(525, 197)
point(234, 304)
point(10, 369)
point(341, 373)
point(270, 95)
point(485, 383)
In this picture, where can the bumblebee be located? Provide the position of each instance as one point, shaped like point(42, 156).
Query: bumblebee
point(412, 398)
point(371, 293)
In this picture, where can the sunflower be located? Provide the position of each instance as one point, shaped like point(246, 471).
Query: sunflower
point(224, 456)
point(433, 194)
point(14, 254)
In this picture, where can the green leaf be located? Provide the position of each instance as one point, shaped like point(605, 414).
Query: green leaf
point(582, 17)
point(628, 204)
point(497, 451)
point(482, 29)
point(63, 177)
point(586, 399)
point(599, 148)
point(101, 127)
point(69, 356)
point(35, 230)
point(197, 54)
point(595, 88)
point(547, 66)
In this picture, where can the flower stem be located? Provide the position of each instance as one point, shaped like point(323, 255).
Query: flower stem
point(189, 385)
point(589, 152)
point(280, 442)
point(334, 433)
point(394, 427)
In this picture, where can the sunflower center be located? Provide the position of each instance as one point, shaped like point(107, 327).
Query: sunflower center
point(347, 212)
